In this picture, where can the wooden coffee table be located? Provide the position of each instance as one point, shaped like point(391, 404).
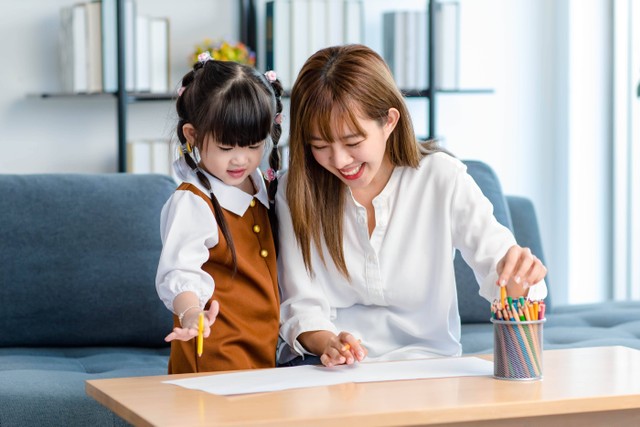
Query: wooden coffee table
point(585, 386)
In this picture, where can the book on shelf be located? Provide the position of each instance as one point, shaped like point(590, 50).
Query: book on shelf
point(278, 35)
point(353, 21)
point(149, 156)
point(404, 47)
point(317, 29)
point(300, 40)
point(159, 55)
point(109, 46)
point(143, 55)
point(94, 47)
point(335, 30)
point(447, 45)
point(130, 53)
point(73, 48)
point(88, 48)
point(297, 29)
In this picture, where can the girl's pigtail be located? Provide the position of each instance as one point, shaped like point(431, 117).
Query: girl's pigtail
point(222, 222)
point(274, 156)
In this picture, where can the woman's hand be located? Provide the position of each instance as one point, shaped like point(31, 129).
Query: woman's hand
point(520, 267)
point(189, 329)
point(342, 349)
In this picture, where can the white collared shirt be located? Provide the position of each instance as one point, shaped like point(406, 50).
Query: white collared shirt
point(402, 300)
point(189, 229)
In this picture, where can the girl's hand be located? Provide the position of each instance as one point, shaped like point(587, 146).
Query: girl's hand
point(519, 266)
point(189, 329)
point(343, 349)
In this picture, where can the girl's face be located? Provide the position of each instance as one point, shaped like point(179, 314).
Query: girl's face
point(230, 164)
point(361, 162)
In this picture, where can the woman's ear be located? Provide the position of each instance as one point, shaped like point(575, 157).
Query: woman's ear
point(190, 133)
point(393, 115)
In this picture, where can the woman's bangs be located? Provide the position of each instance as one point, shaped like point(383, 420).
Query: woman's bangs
point(330, 117)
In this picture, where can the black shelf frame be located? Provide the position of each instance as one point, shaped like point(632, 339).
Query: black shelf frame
point(248, 36)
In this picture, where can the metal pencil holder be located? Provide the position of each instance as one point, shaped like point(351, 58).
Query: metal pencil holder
point(517, 349)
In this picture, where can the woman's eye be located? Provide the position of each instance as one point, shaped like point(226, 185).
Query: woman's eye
point(318, 147)
point(355, 144)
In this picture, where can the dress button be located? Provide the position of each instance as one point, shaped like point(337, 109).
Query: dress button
point(256, 228)
point(264, 253)
point(253, 202)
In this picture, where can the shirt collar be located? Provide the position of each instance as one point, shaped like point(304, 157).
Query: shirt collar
point(230, 198)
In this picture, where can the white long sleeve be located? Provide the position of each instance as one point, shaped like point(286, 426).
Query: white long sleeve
point(401, 300)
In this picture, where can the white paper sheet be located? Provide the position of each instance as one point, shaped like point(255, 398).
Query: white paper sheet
point(264, 380)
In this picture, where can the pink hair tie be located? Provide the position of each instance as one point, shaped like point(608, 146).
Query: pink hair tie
point(204, 57)
point(271, 76)
point(181, 90)
point(270, 175)
point(278, 118)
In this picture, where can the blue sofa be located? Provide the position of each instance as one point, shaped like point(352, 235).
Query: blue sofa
point(78, 256)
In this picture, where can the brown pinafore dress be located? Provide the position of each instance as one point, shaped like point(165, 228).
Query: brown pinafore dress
point(245, 333)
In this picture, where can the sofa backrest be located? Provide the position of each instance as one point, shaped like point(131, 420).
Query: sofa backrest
point(78, 258)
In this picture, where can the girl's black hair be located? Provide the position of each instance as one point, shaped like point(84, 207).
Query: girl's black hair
point(237, 106)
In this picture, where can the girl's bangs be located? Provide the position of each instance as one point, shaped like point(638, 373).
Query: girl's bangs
point(241, 119)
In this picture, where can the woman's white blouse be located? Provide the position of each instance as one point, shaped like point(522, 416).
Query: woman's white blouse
point(189, 229)
point(401, 301)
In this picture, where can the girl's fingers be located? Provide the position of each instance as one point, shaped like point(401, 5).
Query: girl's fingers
point(182, 334)
point(210, 316)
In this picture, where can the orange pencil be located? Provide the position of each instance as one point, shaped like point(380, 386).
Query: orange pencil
point(347, 346)
point(503, 295)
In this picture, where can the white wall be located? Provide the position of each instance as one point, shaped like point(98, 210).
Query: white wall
point(543, 129)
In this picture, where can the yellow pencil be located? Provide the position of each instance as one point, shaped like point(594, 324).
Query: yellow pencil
point(200, 332)
point(503, 295)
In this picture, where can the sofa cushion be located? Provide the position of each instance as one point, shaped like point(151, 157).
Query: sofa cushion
point(46, 386)
point(78, 258)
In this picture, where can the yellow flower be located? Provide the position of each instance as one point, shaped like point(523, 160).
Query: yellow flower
point(223, 50)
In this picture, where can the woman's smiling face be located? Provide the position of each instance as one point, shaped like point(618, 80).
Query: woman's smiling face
point(358, 160)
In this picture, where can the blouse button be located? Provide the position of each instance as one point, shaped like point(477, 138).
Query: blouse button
point(264, 253)
point(253, 202)
point(256, 228)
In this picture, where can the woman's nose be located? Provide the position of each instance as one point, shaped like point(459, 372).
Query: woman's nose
point(340, 157)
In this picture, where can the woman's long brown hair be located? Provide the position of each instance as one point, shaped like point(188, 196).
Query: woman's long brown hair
point(336, 86)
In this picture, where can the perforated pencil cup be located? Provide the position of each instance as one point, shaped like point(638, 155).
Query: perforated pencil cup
point(517, 349)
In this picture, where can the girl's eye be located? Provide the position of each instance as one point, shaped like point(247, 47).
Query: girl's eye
point(225, 148)
point(255, 147)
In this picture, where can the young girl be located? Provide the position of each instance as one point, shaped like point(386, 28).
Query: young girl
point(218, 253)
point(369, 220)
